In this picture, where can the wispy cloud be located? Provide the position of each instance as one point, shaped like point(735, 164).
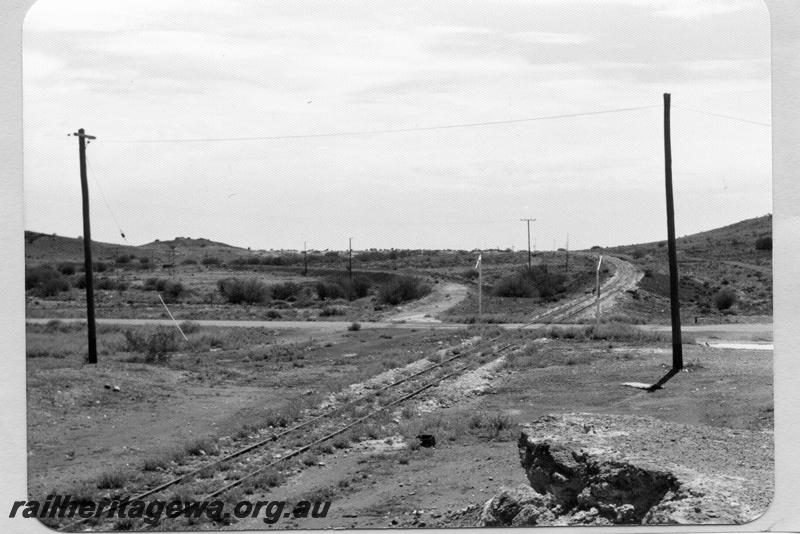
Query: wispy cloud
point(552, 38)
point(132, 70)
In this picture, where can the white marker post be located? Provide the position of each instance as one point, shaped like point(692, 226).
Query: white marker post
point(597, 290)
point(173, 318)
point(479, 266)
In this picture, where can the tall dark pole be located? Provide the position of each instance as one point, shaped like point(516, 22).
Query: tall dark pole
point(677, 349)
point(87, 249)
point(305, 259)
point(529, 240)
point(350, 258)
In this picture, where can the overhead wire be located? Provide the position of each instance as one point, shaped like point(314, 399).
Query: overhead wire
point(720, 115)
point(392, 131)
point(381, 131)
point(105, 199)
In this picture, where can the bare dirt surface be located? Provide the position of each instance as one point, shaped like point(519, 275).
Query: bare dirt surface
point(427, 309)
point(75, 415)
point(710, 428)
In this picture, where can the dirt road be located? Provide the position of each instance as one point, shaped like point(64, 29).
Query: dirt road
point(734, 332)
point(442, 297)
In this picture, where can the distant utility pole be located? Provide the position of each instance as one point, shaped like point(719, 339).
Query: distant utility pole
point(528, 221)
point(597, 290)
point(677, 348)
point(566, 264)
point(479, 266)
point(305, 259)
point(87, 247)
point(350, 258)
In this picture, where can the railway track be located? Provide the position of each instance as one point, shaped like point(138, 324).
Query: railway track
point(625, 277)
point(271, 451)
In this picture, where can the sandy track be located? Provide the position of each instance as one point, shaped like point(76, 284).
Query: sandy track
point(443, 297)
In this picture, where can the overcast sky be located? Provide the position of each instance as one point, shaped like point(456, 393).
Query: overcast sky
point(145, 70)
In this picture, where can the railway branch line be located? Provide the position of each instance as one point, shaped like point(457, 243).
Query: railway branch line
point(268, 452)
point(624, 277)
point(323, 427)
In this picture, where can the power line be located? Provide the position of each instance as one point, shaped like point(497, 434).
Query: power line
point(730, 117)
point(105, 200)
point(376, 132)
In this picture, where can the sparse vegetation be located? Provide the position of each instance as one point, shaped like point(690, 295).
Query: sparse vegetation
point(66, 268)
point(171, 290)
point(113, 479)
point(455, 427)
point(155, 345)
point(44, 281)
point(492, 425)
point(764, 243)
point(535, 282)
point(189, 327)
point(237, 291)
point(270, 478)
point(201, 447)
point(286, 291)
point(341, 287)
point(725, 298)
point(613, 331)
point(329, 311)
point(402, 289)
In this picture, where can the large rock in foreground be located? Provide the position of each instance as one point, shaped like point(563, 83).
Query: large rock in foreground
point(579, 475)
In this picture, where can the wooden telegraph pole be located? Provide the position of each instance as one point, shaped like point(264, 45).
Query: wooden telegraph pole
point(675, 309)
point(677, 349)
point(305, 259)
point(597, 291)
point(350, 258)
point(87, 248)
point(529, 240)
point(479, 266)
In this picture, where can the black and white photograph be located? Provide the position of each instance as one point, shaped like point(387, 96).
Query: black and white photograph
point(304, 264)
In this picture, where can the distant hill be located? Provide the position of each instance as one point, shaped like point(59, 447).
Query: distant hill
point(708, 262)
point(52, 248)
point(189, 242)
point(734, 242)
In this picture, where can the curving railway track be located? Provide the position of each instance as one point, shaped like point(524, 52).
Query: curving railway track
point(625, 277)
